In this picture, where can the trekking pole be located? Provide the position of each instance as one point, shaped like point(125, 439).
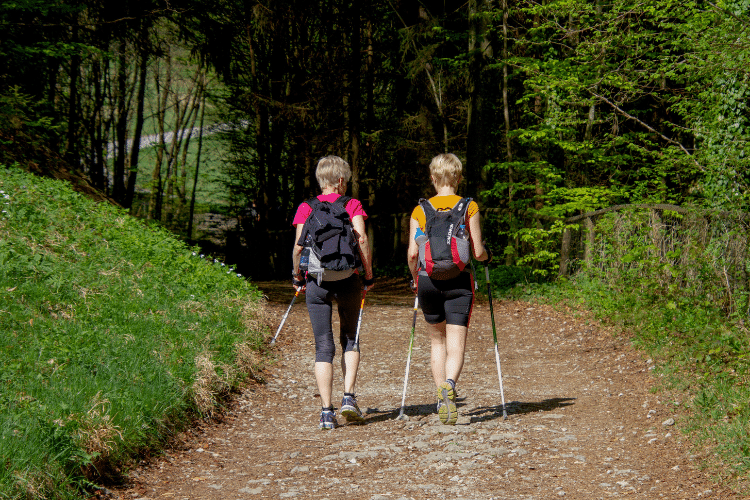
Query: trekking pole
point(401, 415)
point(494, 336)
point(359, 321)
point(283, 320)
point(474, 273)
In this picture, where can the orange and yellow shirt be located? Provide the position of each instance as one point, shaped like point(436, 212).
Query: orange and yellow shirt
point(442, 203)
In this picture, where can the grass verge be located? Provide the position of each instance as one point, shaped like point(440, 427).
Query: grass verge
point(112, 335)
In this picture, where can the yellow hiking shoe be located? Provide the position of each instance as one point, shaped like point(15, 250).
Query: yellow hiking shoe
point(447, 411)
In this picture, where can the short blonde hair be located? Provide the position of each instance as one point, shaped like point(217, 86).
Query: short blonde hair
point(446, 170)
point(330, 169)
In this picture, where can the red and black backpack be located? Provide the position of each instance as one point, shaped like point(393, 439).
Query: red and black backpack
point(444, 247)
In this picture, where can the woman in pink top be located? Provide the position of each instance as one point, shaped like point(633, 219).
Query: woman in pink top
point(333, 174)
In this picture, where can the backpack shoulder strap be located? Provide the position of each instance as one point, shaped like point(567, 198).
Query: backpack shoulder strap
point(427, 207)
point(313, 202)
point(343, 200)
point(462, 206)
point(341, 211)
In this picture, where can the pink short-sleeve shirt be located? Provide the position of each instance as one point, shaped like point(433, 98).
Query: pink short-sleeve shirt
point(353, 207)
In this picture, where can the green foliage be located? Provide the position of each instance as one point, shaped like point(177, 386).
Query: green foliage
point(505, 278)
point(608, 106)
point(26, 133)
point(114, 333)
point(393, 269)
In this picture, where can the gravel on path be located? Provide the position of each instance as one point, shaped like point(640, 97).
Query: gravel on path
point(583, 421)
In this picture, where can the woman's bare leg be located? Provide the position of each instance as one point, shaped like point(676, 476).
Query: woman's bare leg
point(455, 343)
point(324, 377)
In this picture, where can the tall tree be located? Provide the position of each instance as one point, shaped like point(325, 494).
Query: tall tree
point(480, 53)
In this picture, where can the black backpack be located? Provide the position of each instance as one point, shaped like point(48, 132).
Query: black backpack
point(330, 247)
point(444, 247)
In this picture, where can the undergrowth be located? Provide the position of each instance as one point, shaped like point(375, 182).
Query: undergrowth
point(676, 305)
point(112, 335)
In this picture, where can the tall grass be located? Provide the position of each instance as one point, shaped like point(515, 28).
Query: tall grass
point(112, 335)
point(679, 286)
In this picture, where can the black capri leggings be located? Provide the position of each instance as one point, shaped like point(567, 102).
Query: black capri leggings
point(319, 300)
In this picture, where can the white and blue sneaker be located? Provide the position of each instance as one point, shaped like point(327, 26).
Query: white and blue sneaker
point(327, 420)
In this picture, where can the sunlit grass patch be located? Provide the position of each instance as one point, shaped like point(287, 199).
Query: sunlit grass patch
point(112, 334)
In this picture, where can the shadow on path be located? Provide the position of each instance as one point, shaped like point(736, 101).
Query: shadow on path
point(487, 413)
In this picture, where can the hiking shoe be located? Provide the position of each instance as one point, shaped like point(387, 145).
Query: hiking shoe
point(327, 420)
point(446, 407)
point(350, 410)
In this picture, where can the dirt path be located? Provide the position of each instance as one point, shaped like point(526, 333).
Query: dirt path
point(581, 424)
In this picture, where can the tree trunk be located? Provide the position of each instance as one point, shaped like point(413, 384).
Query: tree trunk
point(509, 256)
point(95, 129)
point(369, 124)
point(72, 153)
point(182, 184)
point(588, 133)
point(155, 202)
point(355, 98)
point(178, 133)
point(479, 50)
point(136, 147)
point(536, 150)
point(265, 200)
point(197, 168)
point(121, 126)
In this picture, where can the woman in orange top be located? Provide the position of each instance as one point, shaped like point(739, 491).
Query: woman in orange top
point(446, 303)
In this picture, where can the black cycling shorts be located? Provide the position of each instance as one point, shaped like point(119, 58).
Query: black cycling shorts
point(447, 300)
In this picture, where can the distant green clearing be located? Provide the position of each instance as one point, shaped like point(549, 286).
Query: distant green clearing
point(210, 188)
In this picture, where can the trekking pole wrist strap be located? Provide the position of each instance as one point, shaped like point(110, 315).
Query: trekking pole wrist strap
point(298, 278)
point(368, 281)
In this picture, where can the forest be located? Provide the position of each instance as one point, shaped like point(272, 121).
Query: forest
point(605, 142)
point(556, 108)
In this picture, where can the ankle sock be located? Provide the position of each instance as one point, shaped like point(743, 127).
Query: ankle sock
point(330, 408)
point(351, 394)
point(452, 383)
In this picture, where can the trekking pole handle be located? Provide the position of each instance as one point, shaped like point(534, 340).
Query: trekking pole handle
point(416, 307)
